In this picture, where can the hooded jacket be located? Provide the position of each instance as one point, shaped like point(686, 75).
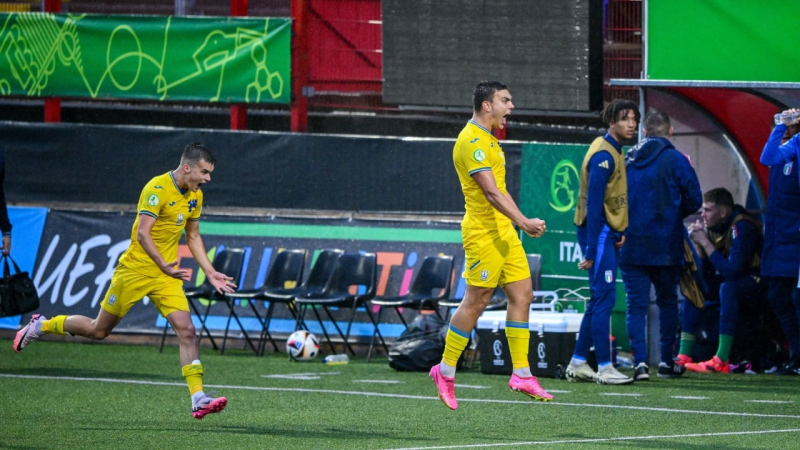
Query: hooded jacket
point(662, 190)
point(781, 254)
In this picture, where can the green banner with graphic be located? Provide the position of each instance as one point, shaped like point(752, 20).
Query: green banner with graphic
point(550, 178)
point(199, 59)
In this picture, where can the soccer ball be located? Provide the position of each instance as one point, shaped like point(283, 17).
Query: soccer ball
point(302, 346)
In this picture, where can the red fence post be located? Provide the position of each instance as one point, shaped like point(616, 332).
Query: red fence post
point(299, 102)
point(238, 110)
point(52, 106)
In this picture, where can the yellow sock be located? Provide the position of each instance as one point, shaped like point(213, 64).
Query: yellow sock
point(454, 344)
point(194, 377)
point(54, 325)
point(519, 337)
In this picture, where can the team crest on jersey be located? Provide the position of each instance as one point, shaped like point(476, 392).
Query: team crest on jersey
point(478, 155)
point(192, 204)
point(180, 219)
point(484, 275)
point(111, 299)
point(787, 168)
point(609, 276)
point(152, 200)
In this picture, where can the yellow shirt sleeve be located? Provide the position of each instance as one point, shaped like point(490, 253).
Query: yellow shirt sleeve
point(473, 157)
point(152, 200)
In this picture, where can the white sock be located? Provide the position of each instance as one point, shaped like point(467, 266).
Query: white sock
point(576, 362)
point(525, 372)
point(447, 370)
point(603, 366)
point(196, 361)
point(197, 396)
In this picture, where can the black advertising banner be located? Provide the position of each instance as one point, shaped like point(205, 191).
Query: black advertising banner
point(254, 169)
point(79, 251)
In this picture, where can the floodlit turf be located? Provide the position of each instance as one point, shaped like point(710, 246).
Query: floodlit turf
point(81, 396)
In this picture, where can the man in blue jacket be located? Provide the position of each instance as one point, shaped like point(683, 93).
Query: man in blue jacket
point(780, 258)
point(729, 240)
point(662, 191)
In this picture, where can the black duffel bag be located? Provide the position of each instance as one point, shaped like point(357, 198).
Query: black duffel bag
point(420, 347)
point(17, 293)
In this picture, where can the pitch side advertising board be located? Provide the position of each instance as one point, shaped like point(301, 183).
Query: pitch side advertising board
point(79, 251)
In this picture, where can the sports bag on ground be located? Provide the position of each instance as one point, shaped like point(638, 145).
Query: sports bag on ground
point(17, 293)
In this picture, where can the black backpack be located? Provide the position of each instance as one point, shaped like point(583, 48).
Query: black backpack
point(420, 347)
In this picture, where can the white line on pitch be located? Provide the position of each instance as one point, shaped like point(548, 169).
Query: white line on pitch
point(379, 381)
point(405, 396)
point(770, 401)
point(589, 441)
point(300, 376)
point(621, 394)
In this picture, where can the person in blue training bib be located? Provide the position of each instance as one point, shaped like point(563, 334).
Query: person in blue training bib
point(601, 217)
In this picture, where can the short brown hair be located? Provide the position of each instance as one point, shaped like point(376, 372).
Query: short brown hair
point(720, 197)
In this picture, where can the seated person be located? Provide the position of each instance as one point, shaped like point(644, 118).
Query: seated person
point(729, 244)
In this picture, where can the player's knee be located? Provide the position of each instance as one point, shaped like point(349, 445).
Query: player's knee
point(187, 333)
point(98, 334)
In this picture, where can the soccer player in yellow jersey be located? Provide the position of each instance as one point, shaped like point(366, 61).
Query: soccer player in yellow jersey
point(168, 205)
point(493, 252)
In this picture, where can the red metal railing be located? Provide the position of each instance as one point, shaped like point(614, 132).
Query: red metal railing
point(622, 46)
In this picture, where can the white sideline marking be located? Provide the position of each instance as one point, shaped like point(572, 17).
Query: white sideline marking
point(587, 441)
point(770, 401)
point(688, 397)
point(407, 396)
point(379, 381)
point(468, 386)
point(621, 394)
point(300, 376)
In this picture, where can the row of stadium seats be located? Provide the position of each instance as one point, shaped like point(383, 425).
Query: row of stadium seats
point(327, 286)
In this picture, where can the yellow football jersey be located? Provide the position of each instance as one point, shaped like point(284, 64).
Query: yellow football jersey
point(478, 150)
point(171, 208)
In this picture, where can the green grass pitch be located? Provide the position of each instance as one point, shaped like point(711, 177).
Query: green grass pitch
point(57, 395)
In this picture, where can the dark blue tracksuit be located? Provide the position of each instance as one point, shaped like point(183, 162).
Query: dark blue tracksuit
point(662, 190)
point(731, 281)
point(597, 240)
point(5, 224)
point(780, 258)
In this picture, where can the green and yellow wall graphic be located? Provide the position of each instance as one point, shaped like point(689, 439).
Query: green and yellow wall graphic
point(200, 59)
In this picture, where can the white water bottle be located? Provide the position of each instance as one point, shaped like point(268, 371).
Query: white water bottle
point(336, 360)
point(786, 118)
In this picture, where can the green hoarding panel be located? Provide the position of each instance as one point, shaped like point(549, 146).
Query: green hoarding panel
point(743, 40)
point(549, 190)
point(217, 59)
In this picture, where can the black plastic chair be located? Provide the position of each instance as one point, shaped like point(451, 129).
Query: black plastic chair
point(351, 269)
point(287, 268)
point(321, 270)
point(431, 284)
point(230, 262)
